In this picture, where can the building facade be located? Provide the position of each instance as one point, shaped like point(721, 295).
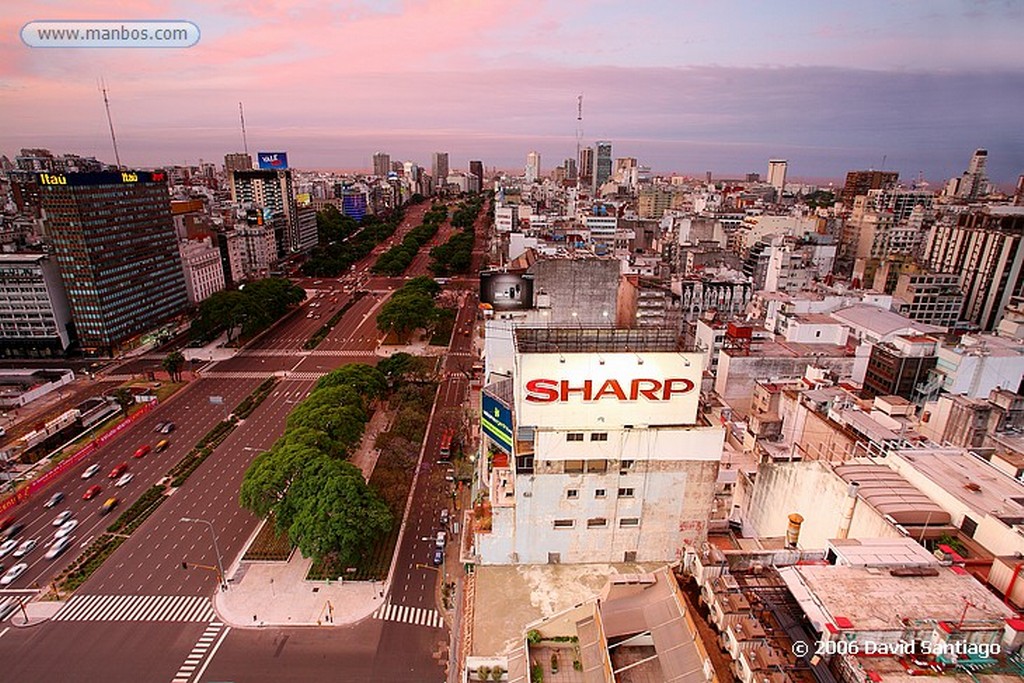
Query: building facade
point(204, 273)
point(381, 164)
point(114, 241)
point(35, 317)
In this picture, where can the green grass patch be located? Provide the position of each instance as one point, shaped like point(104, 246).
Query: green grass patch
point(442, 331)
point(270, 545)
point(253, 400)
point(130, 519)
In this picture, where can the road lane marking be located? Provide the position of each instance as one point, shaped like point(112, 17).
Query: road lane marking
point(202, 670)
point(177, 608)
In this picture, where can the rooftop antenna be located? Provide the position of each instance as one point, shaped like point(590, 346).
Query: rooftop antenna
point(884, 157)
point(241, 116)
point(110, 121)
point(579, 133)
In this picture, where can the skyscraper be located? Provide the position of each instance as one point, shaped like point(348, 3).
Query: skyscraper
point(777, 174)
point(274, 192)
point(439, 169)
point(974, 182)
point(859, 182)
point(237, 161)
point(533, 167)
point(381, 164)
point(113, 238)
point(477, 168)
point(586, 166)
point(603, 163)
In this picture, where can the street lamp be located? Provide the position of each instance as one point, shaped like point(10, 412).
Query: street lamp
point(216, 549)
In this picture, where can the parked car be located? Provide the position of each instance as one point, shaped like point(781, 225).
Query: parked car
point(444, 517)
point(441, 538)
point(438, 557)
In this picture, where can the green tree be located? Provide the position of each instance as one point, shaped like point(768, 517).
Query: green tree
point(365, 380)
point(406, 311)
point(124, 397)
point(173, 364)
point(269, 476)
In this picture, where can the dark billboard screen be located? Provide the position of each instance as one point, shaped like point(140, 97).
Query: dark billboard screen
point(506, 291)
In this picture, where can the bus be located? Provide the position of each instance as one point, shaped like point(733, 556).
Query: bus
point(446, 444)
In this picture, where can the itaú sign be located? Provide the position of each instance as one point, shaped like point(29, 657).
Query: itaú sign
point(563, 390)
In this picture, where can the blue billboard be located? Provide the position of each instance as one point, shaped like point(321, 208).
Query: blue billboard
point(275, 161)
point(496, 422)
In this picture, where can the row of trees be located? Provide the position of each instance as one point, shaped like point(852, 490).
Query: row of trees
point(335, 254)
point(410, 308)
point(246, 311)
point(456, 255)
point(316, 496)
point(396, 259)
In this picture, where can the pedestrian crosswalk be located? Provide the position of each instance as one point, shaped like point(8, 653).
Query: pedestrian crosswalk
point(410, 615)
point(199, 652)
point(136, 608)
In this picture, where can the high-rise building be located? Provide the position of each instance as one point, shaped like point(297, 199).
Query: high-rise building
point(381, 164)
point(570, 169)
point(439, 169)
point(974, 182)
point(777, 174)
point(477, 168)
point(113, 238)
point(532, 167)
point(859, 182)
point(586, 168)
point(273, 191)
point(35, 319)
point(602, 163)
point(237, 161)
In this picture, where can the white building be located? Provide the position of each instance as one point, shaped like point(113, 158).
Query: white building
point(506, 218)
point(777, 174)
point(259, 250)
point(204, 273)
point(533, 167)
point(603, 457)
point(34, 312)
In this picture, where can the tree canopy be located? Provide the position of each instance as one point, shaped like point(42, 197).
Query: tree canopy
point(246, 311)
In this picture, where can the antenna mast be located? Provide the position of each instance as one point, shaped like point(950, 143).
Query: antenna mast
point(110, 122)
point(579, 133)
point(241, 116)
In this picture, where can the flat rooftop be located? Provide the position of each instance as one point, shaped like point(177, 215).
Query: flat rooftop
point(887, 491)
point(873, 599)
point(574, 339)
point(969, 479)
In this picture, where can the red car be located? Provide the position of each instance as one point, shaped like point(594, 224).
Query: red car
point(141, 452)
point(92, 492)
point(118, 471)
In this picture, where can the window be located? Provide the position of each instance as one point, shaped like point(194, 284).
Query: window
point(597, 523)
point(599, 493)
point(564, 523)
point(573, 467)
point(629, 522)
point(599, 466)
point(574, 436)
point(626, 492)
point(599, 436)
point(572, 494)
point(626, 465)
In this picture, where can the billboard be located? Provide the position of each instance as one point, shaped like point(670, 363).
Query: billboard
point(607, 390)
point(101, 178)
point(275, 161)
point(506, 291)
point(496, 422)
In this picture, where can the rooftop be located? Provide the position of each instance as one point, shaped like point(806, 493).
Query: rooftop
point(880, 321)
point(575, 339)
point(885, 490)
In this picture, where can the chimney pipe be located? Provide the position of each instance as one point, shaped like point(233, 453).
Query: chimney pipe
point(851, 503)
point(793, 530)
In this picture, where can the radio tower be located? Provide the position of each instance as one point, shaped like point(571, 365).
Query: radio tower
point(579, 127)
point(110, 122)
point(241, 116)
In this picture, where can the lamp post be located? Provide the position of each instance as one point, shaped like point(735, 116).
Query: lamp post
point(216, 549)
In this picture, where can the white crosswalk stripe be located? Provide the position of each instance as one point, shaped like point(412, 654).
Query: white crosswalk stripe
point(410, 615)
point(199, 652)
point(181, 608)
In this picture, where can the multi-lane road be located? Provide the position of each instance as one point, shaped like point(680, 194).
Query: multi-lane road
point(141, 616)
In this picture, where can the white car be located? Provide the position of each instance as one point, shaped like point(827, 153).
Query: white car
point(66, 528)
point(62, 517)
point(91, 470)
point(13, 573)
point(26, 547)
point(125, 479)
point(8, 546)
point(57, 547)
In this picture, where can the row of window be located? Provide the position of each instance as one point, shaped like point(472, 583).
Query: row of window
point(623, 492)
point(598, 523)
point(598, 466)
point(594, 436)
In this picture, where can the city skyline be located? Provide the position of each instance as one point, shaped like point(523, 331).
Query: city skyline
point(682, 88)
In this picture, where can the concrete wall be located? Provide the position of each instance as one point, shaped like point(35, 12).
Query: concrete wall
point(738, 374)
point(587, 287)
point(999, 539)
point(814, 491)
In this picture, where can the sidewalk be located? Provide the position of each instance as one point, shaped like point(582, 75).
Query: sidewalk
point(277, 594)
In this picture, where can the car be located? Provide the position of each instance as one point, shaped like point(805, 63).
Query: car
point(57, 547)
point(168, 428)
point(13, 573)
point(444, 517)
point(438, 557)
point(62, 517)
point(53, 500)
point(118, 471)
point(6, 522)
point(66, 528)
point(162, 445)
point(15, 530)
point(7, 546)
point(90, 471)
point(92, 492)
point(159, 427)
point(125, 479)
point(141, 451)
point(441, 538)
point(108, 505)
point(26, 547)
